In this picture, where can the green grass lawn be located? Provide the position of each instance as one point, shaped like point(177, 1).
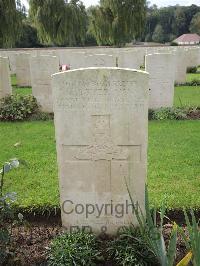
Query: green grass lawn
point(19, 90)
point(191, 77)
point(23, 91)
point(173, 158)
point(187, 96)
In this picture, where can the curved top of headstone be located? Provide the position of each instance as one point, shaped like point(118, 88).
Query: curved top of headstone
point(100, 69)
point(102, 89)
point(43, 56)
point(167, 53)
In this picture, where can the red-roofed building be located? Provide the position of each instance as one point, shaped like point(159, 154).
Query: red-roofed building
point(188, 39)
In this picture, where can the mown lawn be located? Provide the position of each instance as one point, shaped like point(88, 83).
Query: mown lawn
point(187, 96)
point(173, 163)
point(195, 76)
point(37, 184)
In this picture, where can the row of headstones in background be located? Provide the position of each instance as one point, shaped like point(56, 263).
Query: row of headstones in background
point(125, 55)
point(161, 85)
point(108, 57)
point(5, 81)
point(160, 67)
point(125, 58)
point(101, 121)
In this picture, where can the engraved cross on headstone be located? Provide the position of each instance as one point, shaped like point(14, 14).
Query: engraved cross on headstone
point(105, 154)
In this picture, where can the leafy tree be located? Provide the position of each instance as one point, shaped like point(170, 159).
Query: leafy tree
point(158, 35)
point(59, 22)
point(179, 25)
point(10, 23)
point(190, 11)
point(151, 22)
point(115, 22)
point(175, 21)
point(195, 24)
point(166, 17)
point(28, 36)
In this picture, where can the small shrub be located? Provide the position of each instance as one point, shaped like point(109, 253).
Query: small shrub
point(194, 82)
point(17, 107)
point(130, 248)
point(192, 240)
point(73, 249)
point(38, 116)
point(7, 216)
point(192, 69)
point(194, 113)
point(163, 114)
point(169, 113)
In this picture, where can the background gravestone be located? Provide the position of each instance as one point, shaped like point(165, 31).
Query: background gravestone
point(192, 56)
point(23, 74)
point(180, 65)
point(100, 60)
point(42, 67)
point(131, 59)
point(101, 120)
point(161, 84)
point(5, 82)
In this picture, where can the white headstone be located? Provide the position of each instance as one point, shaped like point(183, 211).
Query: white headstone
point(100, 60)
point(191, 55)
point(101, 120)
point(5, 82)
point(74, 60)
point(130, 59)
point(180, 66)
point(42, 67)
point(23, 74)
point(161, 73)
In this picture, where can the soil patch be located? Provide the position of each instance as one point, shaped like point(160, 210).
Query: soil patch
point(31, 243)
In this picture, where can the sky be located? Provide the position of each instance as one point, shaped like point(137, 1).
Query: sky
point(159, 3)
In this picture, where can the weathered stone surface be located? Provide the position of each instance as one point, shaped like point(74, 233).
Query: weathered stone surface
point(100, 60)
point(5, 82)
point(101, 120)
point(161, 73)
point(180, 66)
point(42, 67)
point(130, 59)
point(12, 62)
point(192, 57)
point(23, 74)
point(74, 60)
